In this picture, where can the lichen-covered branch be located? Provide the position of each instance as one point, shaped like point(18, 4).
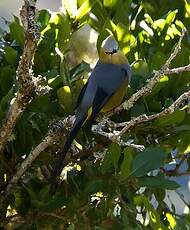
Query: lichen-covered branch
point(116, 135)
point(29, 85)
point(178, 70)
point(144, 118)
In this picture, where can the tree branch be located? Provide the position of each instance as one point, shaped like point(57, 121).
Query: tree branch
point(28, 161)
point(116, 135)
point(29, 86)
point(178, 70)
point(56, 131)
point(143, 118)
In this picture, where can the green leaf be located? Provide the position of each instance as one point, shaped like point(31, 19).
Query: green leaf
point(32, 194)
point(10, 55)
point(122, 12)
point(171, 16)
point(127, 163)
point(43, 18)
point(161, 84)
point(158, 182)
point(40, 104)
point(157, 60)
point(101, 13)
point(37, 204)
point(7, 74)
point(138, 109)
point(17, 32)
point(150, 159)
point(183, 141)
point(112, 157)
point(5, 100)
point(126, 40)
point(182, 128)
point(44, 193)
point(170, 119)
point(64, 33)
point(54, 203)
point(95, 186)
point(84, 9)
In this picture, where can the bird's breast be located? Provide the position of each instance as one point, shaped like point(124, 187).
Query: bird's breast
point(116, 99)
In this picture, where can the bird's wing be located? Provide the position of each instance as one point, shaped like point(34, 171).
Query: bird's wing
point(127, 68)
point(107, 85)
point(101, 98)
point(81, 94)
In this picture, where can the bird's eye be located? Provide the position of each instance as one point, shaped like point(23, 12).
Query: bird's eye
point(111, 52)
point(114, 51)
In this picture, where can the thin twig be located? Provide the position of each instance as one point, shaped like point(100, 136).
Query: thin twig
point(55, 132)
point(178, 70)
point(112, 136)
point(48, 141)
point(144, 118)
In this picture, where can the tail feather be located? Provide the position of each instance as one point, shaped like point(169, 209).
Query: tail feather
point(59, 165)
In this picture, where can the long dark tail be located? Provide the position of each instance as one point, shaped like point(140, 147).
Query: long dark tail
point(58, 167)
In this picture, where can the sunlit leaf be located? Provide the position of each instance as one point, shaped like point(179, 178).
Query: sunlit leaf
point(84, 9)
point(159, 24)
point(70, 7)
point(187, 7)
point(64, 33)
point(171, 16)
point(155, 222)
point(109, 3)
point(125, 38)
point(65, 98)
point(171, 220)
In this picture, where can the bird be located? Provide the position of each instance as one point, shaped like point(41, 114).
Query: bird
point(104, 90)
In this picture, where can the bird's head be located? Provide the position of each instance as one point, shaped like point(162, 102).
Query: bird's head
point(110, 53)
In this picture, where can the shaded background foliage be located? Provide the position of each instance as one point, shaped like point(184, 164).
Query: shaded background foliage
point(101, 191)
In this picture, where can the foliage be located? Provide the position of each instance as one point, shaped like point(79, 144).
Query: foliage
point(109, 188)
